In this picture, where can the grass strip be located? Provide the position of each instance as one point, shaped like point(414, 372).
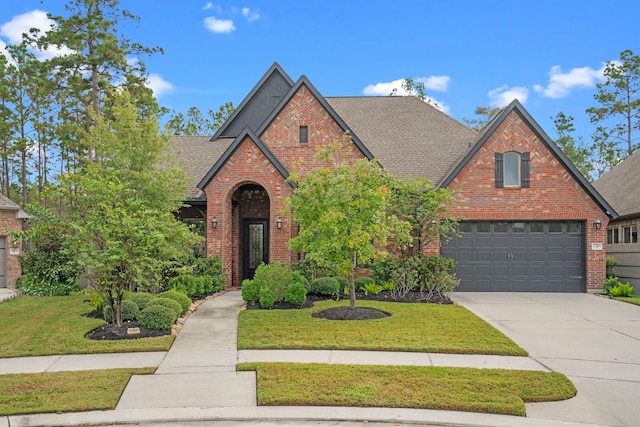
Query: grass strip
point(41, 326)
point(64, 391)
point(493, 391)
point(633, 299)
point(411, 327)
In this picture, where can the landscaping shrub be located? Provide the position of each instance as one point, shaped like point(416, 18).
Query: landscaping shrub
point(140, 298)
point(372, 288)
point(342, 281)
point(325, 286)
point(167, 302)
point(95, 300)
point(250, 290)
point(310, 269)
point(296, 294)
point(274, 277)
point(185, 283)
point(130, 311)
point(611, 263)
point(621, 290)
point(157, 317)
point(40, 287)
point(267, 298)
point(212, 267)
point(182, 299)
point(361, 282)
point(383, 271)
point(610, 283)
point(405, 278)
point(435, 276)
point(298, 277)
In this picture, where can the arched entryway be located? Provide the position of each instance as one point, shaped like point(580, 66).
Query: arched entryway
point(250, 234)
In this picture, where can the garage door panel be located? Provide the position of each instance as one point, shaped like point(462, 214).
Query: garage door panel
point(518, 259)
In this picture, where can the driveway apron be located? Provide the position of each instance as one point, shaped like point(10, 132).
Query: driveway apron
point(593, 340)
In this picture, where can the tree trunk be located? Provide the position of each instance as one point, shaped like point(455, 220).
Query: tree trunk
point(352, 286)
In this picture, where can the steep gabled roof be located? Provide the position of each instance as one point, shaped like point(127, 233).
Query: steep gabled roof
point(408, 136)
point(303, 81)
point(6, 204)
point(621, 186)
point(257, 105)
point(246, 133)
point(516, 106)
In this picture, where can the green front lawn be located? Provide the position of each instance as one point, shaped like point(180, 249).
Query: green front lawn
point(495, 391)
point(64, 391)
point(633, 299)
point(40, 326)
point(429, 328)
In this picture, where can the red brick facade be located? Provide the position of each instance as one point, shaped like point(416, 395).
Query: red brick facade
point(553, 193)
point(12, 252)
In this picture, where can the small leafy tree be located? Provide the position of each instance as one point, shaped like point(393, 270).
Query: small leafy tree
point(343, 212)
point(575, 151)
point(483, 116)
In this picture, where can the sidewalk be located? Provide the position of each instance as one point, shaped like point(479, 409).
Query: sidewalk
point(6, 293)
point(196, 380)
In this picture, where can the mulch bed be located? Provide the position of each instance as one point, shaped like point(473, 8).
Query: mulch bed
point(113, 332)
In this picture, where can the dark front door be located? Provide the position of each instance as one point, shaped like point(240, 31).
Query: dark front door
point(255, 245)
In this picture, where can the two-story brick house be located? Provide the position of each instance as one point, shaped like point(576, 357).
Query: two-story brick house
point(529, 219)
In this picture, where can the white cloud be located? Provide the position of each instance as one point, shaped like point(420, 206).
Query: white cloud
point(20, 24)
point(158, 85)
point(560, 83)
point(502, 96)
point(250, 15)
point(219, 26)
point(437, 83)
point(211, 6)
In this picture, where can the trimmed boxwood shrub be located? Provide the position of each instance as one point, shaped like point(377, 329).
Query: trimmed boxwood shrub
point(167, 302)
point(157, 317)
point(185, 283)
point(267, 298)
point(325, 286)
point(276, 277)
point(250, 290)
point(298, 277)
point(182, 299)
point(296, 294)
point(130, 311)
point(343, 282)
point(361, 282)
point(140, 298)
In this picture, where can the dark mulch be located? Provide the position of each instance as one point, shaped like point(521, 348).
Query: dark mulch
point(113, 332)
point(359, 313)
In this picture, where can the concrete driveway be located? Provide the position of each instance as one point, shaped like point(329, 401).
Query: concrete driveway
point(593, 340)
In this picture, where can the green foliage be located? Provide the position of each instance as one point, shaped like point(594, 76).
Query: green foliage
point(484, 115)
point(167, 302)
point(298, 277)
point(342, 281)
point(361, 282)
point(383, 271)
point(609, 283)
point(157, 317)
point(611, 263)
point(140, 298)
point(250, 290)
point(388, 285)
point(95, 301)
point(311, 270)
point(39, 287)
point(325, 286)
point(185, 283)
point(296, 294)
point(274, 279)
point(617, 116)
point(621, 290)
point(195, 123)
point(181, 298)
point(372, 288)
point(130, 311)
point(576, 151)
point(343, 211)
point(267, 298)
point(431, 276)
point(210, 266)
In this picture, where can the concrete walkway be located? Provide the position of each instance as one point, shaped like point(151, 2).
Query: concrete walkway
point(6, 293)
point(196, 378)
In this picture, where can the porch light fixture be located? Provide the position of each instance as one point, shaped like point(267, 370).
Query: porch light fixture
point(214, 222)
point(597, 224)
point(279, 223)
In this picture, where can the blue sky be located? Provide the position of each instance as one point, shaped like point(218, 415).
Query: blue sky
point(549, 54)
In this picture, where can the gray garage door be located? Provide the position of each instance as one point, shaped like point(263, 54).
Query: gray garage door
point(519, 256)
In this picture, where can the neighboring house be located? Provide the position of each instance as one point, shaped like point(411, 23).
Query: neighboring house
point(529, 219)
point(621, 187)
point(11, 219)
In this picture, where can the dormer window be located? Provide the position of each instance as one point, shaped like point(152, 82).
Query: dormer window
point(512, 170)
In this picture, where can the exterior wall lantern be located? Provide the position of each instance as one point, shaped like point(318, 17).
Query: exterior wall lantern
point(279, 223)
point(597, 224)
point(214, 222)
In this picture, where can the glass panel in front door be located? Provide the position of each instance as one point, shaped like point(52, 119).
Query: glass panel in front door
point(256, 242)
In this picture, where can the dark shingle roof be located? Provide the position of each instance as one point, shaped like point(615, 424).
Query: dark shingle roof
point(7, 204)
point(408, 136)
point(621, 186)
point(198, 154)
